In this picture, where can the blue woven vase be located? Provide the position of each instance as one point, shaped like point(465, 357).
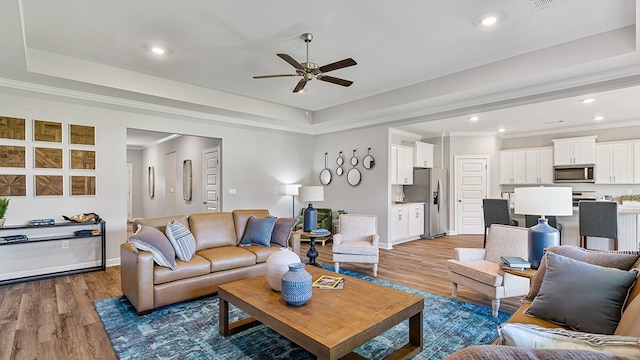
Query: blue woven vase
point(296, 285)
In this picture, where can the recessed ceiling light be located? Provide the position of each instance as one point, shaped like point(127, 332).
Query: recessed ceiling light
point(489, 20)
point(158, 50)
point(588, 101)
point(474, 118)
point(501, 130)
point(598, 118)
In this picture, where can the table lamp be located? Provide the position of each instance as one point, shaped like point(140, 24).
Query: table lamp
point(543, 201)
point(310, 194)
point(292, 190)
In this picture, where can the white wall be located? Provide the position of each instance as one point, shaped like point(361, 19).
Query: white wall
point(256, 162)
point(372, 195)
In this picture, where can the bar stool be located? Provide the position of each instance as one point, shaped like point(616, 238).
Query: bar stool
point(599, 219)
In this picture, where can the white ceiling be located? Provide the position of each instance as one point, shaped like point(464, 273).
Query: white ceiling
point(423, 66)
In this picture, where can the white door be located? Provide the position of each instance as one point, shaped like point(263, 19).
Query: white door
point(211, 179)
point(471, 187)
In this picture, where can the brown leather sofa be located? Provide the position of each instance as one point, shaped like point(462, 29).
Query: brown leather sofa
point(218, 259)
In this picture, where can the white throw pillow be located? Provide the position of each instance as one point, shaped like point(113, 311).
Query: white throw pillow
point(529, 336)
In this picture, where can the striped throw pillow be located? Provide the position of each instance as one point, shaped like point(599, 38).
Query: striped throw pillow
point(181, 239)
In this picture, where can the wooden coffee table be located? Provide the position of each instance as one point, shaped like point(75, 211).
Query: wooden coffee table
point(334, 322)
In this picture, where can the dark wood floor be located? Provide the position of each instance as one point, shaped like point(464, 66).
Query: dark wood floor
point(55, 318)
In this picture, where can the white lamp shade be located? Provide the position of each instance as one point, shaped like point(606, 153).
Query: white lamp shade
point(553, 201)
point(291, 189)
point(311, 193)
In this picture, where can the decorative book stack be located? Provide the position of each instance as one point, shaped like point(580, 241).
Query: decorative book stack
point(320, 232)
point(329, 282)
point(514, 263)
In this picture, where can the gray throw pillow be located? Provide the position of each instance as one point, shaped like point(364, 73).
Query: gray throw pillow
point(282, 231)
point(150, 239)
point(181, 239)
point(258, 231)
point(623, 260)
point(585, 297)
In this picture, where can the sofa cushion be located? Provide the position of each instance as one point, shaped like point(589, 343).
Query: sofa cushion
point(258, 231)
point(282, 231)
point(565, 297)
point(629, 324)
point(527, 336)
point(152, 240)
point(228, 257)
point(195, 267)
point(181, 239)
point(355, 247)
point(213, 230)
point(491, 352)
point(262, 253)
point(160, 223)
point(241, 217)
point(623, 260)
point(484, 271)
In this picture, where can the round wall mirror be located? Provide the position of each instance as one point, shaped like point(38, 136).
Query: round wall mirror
point(354, 177)
point(325, 176)
point(354, 159)
point(368, 161)
point(339, 171)
point(340, 160)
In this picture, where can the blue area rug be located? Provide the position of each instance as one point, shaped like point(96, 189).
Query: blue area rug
point(189, 330)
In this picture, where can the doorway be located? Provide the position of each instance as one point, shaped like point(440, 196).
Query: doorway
point(211, 179)
point(472, 185)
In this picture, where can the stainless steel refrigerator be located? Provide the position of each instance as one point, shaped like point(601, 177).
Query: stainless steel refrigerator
point(429, 186)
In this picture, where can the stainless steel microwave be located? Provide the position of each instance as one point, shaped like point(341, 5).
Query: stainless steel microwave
point(574, 173)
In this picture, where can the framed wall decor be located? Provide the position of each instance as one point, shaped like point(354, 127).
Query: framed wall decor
point(12, 156)
point(48, 185)
point(12, 128)
point(47, 131)
point(83, 159)
point(151, 182)
point(82, 135)
point(186, 180)
point(83, 185)
point(13, 185)
point(47, 158)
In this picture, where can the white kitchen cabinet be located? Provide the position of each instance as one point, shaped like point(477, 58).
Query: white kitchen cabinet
point(614, 163)
point(636, 163)
point(406, 222)
point(401, 165)
point(574, 151)
point(423, 155)
point(399, 223)
point(416, 220)
point(512, 167)
point(538, 165)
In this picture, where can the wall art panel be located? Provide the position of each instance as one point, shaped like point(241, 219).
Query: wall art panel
point(47, 131)
point(48, 185)
point(13, 185)
point(12, 156)
point(12, 128)
point(47, 158)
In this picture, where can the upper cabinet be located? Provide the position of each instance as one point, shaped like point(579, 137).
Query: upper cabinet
point(574, 151)
point(538, 166)
point(614, 163)
point(401, 165)
point(512, 167)
point(423, 155)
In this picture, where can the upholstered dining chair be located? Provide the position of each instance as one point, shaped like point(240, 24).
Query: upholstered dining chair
point(479, 268)
point(496, 211)
point(357, 241)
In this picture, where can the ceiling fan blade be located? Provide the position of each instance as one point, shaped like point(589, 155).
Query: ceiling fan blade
point(338, 65)
point(273, 76)
point(291, 61)
point(300, 86)
point(335, 80)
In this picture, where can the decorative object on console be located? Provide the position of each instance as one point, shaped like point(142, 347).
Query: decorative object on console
point(296, 285)
point(43, 222)
point(83, 218)
point(292, 190)
point(278, 265)
point(4, 205)
point(325, 174)
point(310, 194)
point(368, 162)
point(557, 201)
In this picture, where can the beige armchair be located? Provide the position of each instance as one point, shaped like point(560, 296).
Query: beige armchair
point(479, 269)
point(357, 241)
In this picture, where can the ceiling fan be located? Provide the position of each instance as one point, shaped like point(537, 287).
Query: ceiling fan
point(309, 70)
